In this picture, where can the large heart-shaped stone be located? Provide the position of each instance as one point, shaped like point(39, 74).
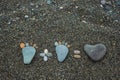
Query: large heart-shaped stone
point(95, 52)
point(28, 54)
point(62, 52)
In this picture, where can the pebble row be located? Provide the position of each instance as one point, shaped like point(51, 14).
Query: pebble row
point(95, 52)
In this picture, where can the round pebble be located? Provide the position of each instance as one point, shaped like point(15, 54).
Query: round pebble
point(61, 7)
point(76, 52)
point(22, 45)
point(77, 56)
point(26, 16)
point(45, 58)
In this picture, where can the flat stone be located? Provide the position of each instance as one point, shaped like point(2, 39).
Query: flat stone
point(28, 54)
point(95, 52)
point(62, 52)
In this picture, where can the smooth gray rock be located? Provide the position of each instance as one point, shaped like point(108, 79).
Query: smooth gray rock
point(95, 52)
point(28, 54)
point(62, 52)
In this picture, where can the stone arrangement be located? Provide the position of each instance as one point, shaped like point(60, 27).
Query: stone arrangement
point(45, 55)
point(76, 54)
point(95, 52)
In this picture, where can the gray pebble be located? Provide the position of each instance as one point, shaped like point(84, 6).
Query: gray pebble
point(95, 52)
point(28, 54)
point(62, 52)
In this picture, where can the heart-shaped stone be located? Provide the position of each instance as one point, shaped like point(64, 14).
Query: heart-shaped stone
point(28, 54)
point(62, 52)
point(95, 52)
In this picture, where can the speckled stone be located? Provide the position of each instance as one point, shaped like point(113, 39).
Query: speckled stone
point(62, 52)
point(95, 52)
point(28, 54)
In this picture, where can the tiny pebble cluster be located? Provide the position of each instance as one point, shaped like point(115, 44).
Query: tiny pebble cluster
point(77, 54)
point(46, 55)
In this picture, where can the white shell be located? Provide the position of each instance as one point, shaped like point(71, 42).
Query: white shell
point(45, 58)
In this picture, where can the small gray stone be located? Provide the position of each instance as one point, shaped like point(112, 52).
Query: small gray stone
point(28, 54)
point(95, 52)
point(62, 52)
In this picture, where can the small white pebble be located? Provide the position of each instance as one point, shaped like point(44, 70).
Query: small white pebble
point(76, 52)
point(36, 6)
point(45, 58)
point(116, 20)
point(61, 7)
point(45, 51)
point(84, 21)
point(101, 5)
point(9, 22)
point(110, 11)
point(32, 9)
point(26, 16)
point(101, 26)
point(76, 6)
point(56, 44)
point(14, 11)
point(77, 56)
point(68, 45)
